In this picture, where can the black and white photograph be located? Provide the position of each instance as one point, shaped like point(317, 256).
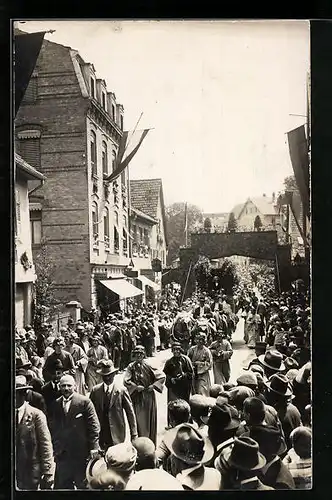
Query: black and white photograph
point(162, 254)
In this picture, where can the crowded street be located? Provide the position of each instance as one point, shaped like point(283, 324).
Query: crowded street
point(162, 248)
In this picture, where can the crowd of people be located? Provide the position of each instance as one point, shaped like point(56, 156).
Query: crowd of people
point(79, 424)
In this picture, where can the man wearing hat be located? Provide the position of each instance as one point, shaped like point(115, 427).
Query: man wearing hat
point(51, 390)
point(59, 353)
point(80, 360)
point(119, 458)
point(279, 394)
point(222, 352)
point(34, 452)
point(111, 400)
point(179, 374)
point(141, 380)
point(221, 424)
point(75, 431)
point(272, 362)
point(20, 352)
point(201, 359)
point(239, 463)
point(190, 451)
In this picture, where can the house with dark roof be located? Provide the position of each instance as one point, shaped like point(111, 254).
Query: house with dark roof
point(148, 224)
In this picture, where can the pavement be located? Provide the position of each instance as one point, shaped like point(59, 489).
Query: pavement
point(241, 358)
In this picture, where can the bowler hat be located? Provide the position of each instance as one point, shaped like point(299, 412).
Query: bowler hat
point(243, 454)
point(187, 443)
point(273, 360)
point(106, 367)
point(279, 384)
point(21, 383)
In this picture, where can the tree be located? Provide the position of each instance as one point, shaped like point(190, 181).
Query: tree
point(207, 225)
point(45, 302)
point(290, 183)
point(175, 218)
point(232, 223)
point(258, 223)
point(229, 278)
point(202, 271)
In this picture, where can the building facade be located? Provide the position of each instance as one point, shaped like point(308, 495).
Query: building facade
point(219, 221)
point(25, 275)
point(70, 126)
point(264, 208)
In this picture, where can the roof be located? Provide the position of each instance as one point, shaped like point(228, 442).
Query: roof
point(29, 171)
point(264, 204)
point(141, 214)
point(144, 196)
point(237, 210)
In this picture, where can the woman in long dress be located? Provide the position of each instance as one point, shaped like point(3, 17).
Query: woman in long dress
point(94, 354)
point(221, 351)
point(253, 328)
point(141, 380)
point(201, 359)
point(80, 360)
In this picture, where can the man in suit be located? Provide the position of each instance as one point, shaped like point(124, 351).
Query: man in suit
point(75, 431)
point(202, 309)
point(34, 452)
point(111, 400)
point(59, 353)
point(51, 390)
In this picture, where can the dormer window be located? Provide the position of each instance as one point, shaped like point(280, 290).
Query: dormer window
point(93, 87)
point(103, 101)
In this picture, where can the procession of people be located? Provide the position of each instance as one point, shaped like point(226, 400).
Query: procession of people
point(86, 407)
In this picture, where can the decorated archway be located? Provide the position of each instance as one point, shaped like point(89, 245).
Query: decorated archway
point(258, 244)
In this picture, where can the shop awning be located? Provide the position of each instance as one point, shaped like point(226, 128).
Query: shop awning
point(122, 288)
point(145, 281)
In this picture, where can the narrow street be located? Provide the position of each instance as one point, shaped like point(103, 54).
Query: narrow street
point(242, 355)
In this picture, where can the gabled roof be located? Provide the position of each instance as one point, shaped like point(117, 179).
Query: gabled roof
point(264, 204)
point(145, 195)
point(237, 210)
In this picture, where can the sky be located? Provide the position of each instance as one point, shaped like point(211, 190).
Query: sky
point(218, 95)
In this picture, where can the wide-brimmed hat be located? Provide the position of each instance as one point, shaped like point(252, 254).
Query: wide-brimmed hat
point(106, 367)
point(153, 480)
point(221, 416)
point(242, 454)
point(273, 360)
point(121, 457)
point(95, 467)
point(187, 443)
point(21, 383)
point(20, 365)
point(279, 384)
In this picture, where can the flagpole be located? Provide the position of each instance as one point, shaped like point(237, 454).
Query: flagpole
point(139, 119)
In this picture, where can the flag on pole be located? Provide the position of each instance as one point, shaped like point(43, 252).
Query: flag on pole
point(26, 52)
point(129, 145)
point(298, 150)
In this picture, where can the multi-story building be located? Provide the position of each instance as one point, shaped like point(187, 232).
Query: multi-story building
point(148, 227)
point(264, 208)
point(70, 126)
point(25, 176)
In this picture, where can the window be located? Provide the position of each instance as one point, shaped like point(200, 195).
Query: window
point(95, 225)
point(113, 112)
point(28, 146)
point(124, 241)
point(113, 161)
point(36, 227)
point(116, 217)
point(31, 92)
point(121, 122)
point(103, 100)
point(116, 240)
point(123, 177)
point(92, 87)
point(104, 157)
point(18, 214)
point(93, 154)
point(107, 228)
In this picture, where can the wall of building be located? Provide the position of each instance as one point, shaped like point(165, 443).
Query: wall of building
point(60, 112)
point(158, 242)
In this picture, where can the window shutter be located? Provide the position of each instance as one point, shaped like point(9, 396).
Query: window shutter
point(29, 150)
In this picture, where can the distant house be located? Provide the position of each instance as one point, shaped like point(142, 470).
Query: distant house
point(264, 208)
point(148, 227)
point(218, 220)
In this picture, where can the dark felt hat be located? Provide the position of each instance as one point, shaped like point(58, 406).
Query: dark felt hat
point(187, 443)
point(279, 384)
point(273, 360)
point(242, 454)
